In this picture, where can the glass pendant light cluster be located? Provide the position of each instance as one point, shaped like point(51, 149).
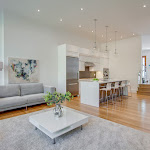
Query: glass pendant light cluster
point(95, 44)
point(115, 43)
point(106, 42)
point(106, 49)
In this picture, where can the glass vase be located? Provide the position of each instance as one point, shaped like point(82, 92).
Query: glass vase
point(58, 110)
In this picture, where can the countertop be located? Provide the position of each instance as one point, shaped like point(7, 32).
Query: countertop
point(101, 81)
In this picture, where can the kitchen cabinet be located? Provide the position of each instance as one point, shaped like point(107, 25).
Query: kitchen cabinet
point(100, 59)
point(92, 59)
point(72, 54)
point(72, 48)
point(96, 67)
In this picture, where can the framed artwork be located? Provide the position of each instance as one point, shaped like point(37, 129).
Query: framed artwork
point(23, 70)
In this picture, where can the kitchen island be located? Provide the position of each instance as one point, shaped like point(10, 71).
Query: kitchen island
point(90, 90)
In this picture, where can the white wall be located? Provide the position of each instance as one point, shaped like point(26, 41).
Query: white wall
point(127, 64)
point(1, 46)
point(26, 39)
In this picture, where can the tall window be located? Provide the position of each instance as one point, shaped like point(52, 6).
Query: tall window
point(143, 66)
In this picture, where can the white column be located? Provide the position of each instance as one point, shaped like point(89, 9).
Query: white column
point(1, 45)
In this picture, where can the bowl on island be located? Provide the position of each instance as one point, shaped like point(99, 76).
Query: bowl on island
point(95, 79)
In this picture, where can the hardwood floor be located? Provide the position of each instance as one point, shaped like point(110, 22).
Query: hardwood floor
point(132, 111)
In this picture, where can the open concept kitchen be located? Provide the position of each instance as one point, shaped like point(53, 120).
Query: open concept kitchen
point(85, 73)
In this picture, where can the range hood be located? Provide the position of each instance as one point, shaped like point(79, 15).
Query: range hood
point(89, 64)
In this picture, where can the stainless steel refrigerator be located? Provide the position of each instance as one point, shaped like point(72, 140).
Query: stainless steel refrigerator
point(72, 68)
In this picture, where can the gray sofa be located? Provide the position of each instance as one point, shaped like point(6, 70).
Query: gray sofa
point(22, 95)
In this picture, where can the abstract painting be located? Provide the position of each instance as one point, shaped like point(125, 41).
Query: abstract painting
point(23, 70)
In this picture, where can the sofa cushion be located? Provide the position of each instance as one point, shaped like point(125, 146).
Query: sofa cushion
point(12, 102)
point(31, 88)
point(9, 90)
point(35, 98)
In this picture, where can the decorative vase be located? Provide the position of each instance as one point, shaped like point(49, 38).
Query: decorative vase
point(58, 110)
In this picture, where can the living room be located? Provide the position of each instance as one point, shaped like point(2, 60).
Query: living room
point(36, 38)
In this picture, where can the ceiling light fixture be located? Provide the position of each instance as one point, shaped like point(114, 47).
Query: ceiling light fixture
point(116, 43)
point(95, 44)
point(38, 10)
point(106, 50)
point(144, 6)
point(92, 31)
point(80, 26)
point(81, 9)
point(133, 34)
point(102, 36)
point(110, 39)
point(61, 19)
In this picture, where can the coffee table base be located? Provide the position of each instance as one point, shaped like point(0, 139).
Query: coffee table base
point(45, 122)
point(54, 140)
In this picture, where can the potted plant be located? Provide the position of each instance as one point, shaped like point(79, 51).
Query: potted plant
point(57, 98)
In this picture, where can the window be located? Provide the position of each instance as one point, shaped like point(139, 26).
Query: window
point(143, 66)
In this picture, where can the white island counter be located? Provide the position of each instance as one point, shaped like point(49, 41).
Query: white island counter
point(90, 90)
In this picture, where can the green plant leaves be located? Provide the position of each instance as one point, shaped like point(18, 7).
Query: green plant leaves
point(55, 98)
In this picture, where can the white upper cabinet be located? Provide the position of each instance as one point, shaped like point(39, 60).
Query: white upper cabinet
point(100, 59)
point(72, 51)
point(87, 52)
point(72, 48)
point(96, 67)
point(72, 54)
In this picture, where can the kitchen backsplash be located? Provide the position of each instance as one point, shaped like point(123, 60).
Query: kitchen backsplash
point(87, 74)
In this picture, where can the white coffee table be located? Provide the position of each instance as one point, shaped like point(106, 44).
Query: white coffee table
point(54, 127)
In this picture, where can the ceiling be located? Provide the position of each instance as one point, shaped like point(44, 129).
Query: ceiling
point(128, 17)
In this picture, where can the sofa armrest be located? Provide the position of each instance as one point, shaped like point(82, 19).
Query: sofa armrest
point(50, 89)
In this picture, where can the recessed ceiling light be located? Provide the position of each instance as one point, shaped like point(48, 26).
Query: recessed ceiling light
point(81, 8)
point(38, 10)
point(92, 31)
point(61, 19)
point(144, 6)
point(133, 34)
point(80, 26)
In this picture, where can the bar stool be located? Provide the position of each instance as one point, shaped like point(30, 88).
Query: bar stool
point(108, 88)
point(129, 85)
point(122, 86)
point(115, 88)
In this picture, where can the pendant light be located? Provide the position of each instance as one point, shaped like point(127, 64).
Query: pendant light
point(95, 44)
point(115, 43)
point(106, 50)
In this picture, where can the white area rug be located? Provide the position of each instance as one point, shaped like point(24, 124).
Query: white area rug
point(18, 134)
